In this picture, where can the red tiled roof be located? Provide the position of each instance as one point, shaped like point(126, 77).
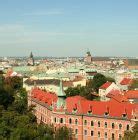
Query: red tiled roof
point(105, 85)
point(82, 105)
point(132, 94)
point(126, 81)
point(116, 109)
point(43, 96)
point(116, 95)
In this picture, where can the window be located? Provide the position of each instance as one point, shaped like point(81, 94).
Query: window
point(105, 135)
point(61, 120)
point(54, 119)
point(76, 131)
point(105, 124)
point(124, 115)
point(92, 123)
point(120, 137)
point(85, 122)
point(92, 133)
point(120, 126)
point(70, 121)
point(113, 136)
point(98, 134)
point(106, 113)
point(127, 127)
point(113, 125)
point(76, 121)
point(98, 124)
point(85, 132)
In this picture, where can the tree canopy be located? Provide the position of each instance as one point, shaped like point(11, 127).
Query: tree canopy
point(17, 121)
point(132, 135)
point(90, 89)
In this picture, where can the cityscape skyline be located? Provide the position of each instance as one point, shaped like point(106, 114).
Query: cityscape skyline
point(60, 28)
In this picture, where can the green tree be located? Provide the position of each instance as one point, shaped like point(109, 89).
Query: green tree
point(6, 98)
point(15, 82)
point(63, 133)
point(98, 80)
point(134, 84)
point(132, 135)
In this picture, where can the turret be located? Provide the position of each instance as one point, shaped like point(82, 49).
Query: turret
point(61, 96)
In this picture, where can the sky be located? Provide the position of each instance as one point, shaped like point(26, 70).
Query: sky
point(69, 27)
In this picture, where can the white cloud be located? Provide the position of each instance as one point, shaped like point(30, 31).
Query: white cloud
point(45, 13)
point(11, 27)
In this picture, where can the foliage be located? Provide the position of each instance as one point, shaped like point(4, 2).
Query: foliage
point(6, 97)
point(98, 80)
point(91, 87)
point(132, 135)
point(17, 121)
point(63, 133)
point(14, 82)
point(82, 91)
point(134, 85)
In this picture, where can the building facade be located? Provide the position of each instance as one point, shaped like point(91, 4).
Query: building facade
point(87, 119)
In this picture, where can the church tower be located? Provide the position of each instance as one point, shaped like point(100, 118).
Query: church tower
point(31, 60)
point(88, 58)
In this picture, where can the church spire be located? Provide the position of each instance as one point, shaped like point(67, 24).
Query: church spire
point(61, 96)
point(31, 55)
point(61, 92)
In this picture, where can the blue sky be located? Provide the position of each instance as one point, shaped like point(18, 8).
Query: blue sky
point(69, 27)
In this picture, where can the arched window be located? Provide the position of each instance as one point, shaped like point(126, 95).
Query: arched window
point(92, 123)
point(92, 133)
point(55, 120)
point(76, 121)
point(120, 126)
point(105, 135)
point(113, 136)
point(120, 137)
point(70, 120)
point(76, 131)
point(85, 132)
point(98, 134)
point(105, 124)
point(113, 125)
point(85, 122)
point(127, 127)
point(98, 123)
point(61, 120)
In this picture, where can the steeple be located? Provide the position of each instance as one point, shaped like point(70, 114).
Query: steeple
point(61, 96)
point(61, 92)
point(31, 55)
point(31, 60)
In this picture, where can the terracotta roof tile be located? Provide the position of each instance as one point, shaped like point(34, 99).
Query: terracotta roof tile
point(132, 94)
point(105, 85)
point(126, 81)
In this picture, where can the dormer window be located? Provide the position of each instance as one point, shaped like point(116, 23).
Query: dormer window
point(107, 111)
point(75, 108)
point(90, 110)
point(124, 115)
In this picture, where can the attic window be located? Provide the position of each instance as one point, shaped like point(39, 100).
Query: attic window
point(75, 108)
point(90, 110)
point(124, 115)
point(107, 111)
